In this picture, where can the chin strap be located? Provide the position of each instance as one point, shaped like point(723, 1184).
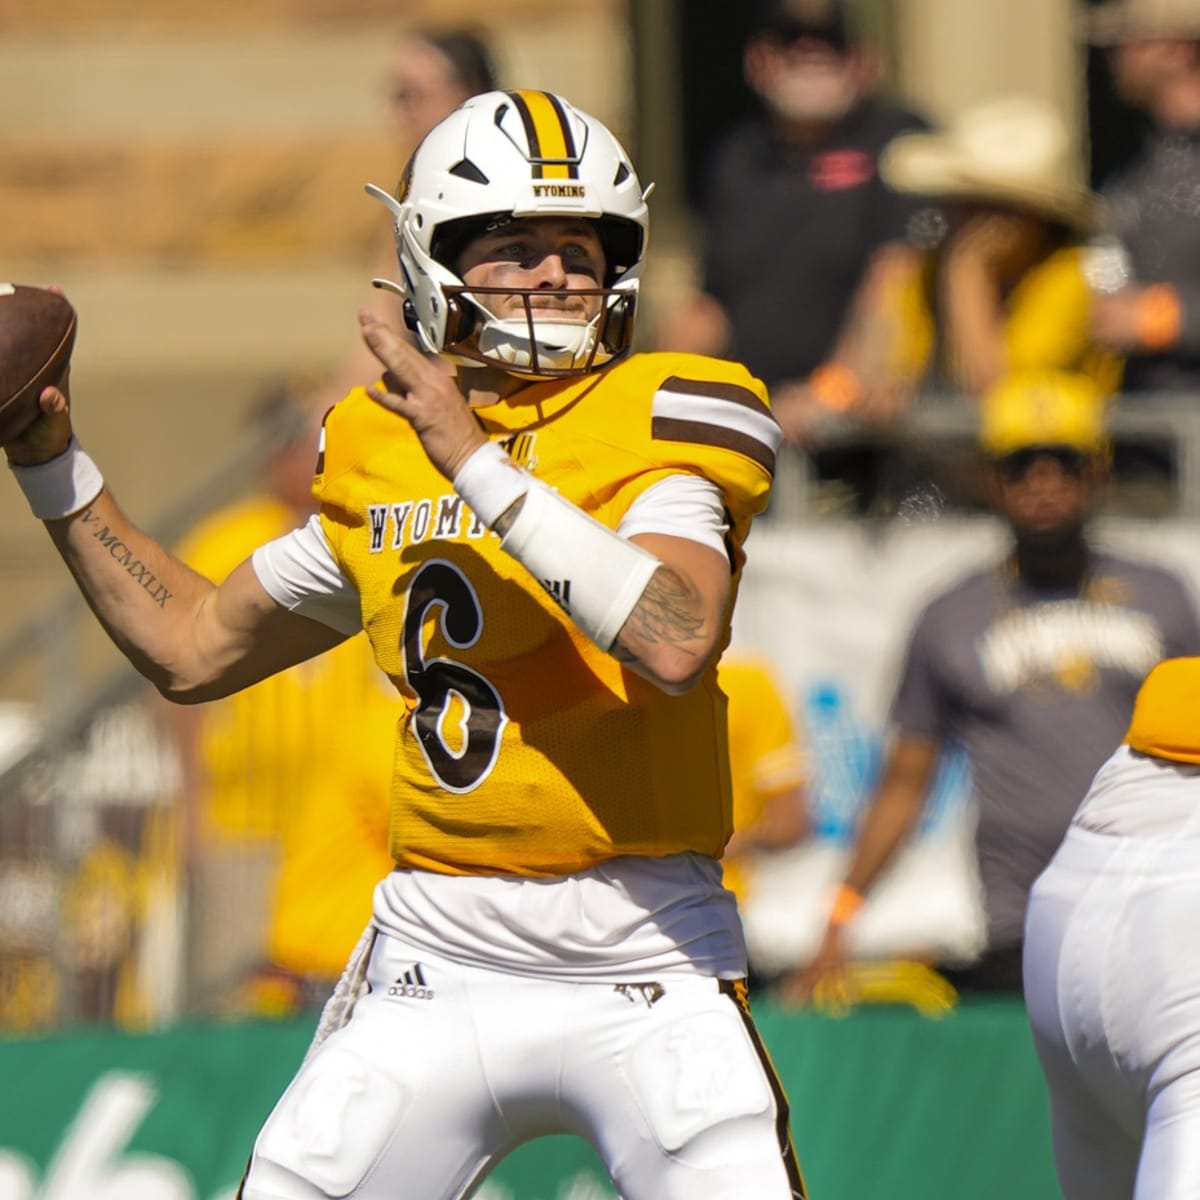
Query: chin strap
point(555, 346)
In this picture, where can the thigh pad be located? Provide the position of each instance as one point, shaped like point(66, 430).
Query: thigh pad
point(334, 1121)
point(694, 1073)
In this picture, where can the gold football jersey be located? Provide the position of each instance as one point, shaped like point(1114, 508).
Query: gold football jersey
point(524, 749)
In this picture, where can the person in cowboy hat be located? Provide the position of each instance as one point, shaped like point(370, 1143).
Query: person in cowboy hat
point(1147, 273)
point(1003, 286)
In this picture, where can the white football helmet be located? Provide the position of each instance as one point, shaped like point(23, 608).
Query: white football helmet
point(506, 155)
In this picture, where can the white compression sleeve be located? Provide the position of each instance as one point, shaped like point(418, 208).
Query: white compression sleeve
point(593, 573)
point(596, 575)
point(490, 482)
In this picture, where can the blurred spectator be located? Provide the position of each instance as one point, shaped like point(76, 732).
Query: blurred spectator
point(285, 788)
point(798, 225)
point(1004, 288)
point(433, 71)
point(1147, 274)
point(767, 765)
point(1032, 664)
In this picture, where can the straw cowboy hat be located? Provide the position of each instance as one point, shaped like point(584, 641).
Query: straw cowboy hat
point(1014, 150)
point(1124, 20)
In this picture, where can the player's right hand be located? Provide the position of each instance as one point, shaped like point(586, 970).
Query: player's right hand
point(47, 437)
point(419, 389)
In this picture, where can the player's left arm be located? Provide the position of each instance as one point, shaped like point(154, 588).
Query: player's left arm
point(677, 623)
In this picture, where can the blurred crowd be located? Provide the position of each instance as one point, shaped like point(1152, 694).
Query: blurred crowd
point(862, 260)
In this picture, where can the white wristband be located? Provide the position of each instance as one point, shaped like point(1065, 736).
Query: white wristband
point(490, 482)
point(61, 487)
point(594, 574)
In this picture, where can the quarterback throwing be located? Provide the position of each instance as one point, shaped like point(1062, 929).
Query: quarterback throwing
point(542, 536)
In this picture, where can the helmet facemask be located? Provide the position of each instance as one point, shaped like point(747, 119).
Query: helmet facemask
point(536, 344)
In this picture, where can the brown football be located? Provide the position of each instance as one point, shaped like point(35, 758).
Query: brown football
point(37, 333)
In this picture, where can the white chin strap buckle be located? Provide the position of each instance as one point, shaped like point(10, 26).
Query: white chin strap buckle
point(559, 345)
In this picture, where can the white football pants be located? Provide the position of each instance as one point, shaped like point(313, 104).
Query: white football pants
point(442, 1069)
point(1112, 983)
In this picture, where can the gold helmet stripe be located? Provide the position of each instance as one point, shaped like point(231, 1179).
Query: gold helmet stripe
point(551, 147)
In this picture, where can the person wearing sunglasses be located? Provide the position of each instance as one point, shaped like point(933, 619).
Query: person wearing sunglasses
point(1031, 663)
point(798, 228)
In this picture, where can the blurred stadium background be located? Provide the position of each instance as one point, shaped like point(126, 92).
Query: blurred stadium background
point(191, 173)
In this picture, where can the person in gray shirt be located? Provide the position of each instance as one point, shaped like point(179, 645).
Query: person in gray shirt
point(1032, 664)
point(1146, 270)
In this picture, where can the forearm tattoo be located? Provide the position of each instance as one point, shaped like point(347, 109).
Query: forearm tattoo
point(137, 570)
point(666, 613)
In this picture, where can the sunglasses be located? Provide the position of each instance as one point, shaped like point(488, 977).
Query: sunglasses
point(1015, 467)
point(788, 33)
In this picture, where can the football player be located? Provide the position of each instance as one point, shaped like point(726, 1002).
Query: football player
point(542, 536)
point(1112, 971)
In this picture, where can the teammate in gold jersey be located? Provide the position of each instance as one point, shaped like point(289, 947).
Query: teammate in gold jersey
point(542, 537)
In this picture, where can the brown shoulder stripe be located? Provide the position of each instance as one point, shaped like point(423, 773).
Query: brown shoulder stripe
point(320, 467)
point(667, 429)
point(733, 392)
point(708, 412)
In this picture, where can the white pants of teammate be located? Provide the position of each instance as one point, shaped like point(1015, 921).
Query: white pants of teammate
point(1112, 983)
point(443, 1068)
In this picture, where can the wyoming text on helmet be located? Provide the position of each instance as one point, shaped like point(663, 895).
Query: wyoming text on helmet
point(504, 156)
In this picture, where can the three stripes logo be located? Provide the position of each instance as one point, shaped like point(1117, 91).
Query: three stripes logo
point(560, 592)
point(411, 985)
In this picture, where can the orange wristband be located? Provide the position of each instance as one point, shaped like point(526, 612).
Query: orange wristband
point(1158, 317)
point(836, 387)
point(846, 903)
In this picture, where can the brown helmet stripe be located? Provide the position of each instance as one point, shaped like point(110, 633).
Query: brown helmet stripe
point(551, 144)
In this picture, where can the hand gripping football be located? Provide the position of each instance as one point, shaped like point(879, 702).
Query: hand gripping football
point(37, 333)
